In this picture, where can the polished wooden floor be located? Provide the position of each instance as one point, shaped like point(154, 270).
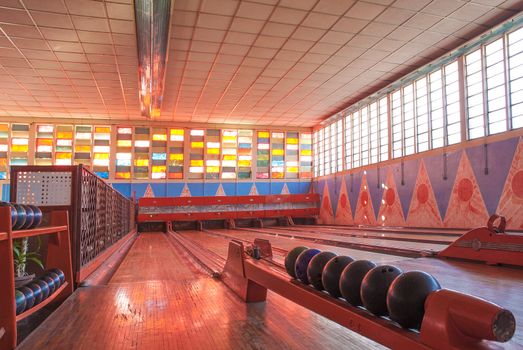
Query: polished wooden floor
point(159, 299)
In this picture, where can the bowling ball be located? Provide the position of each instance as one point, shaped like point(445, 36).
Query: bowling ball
point(37, 292)
point(50, 282)
point(60, 274)
point(29, 216)
point(56, 279)
point(350, 280)
point(20, 301)
point(315, 268)
point(20, 217)
point(332, 272)
point(290, 259)
point(374, 288)
point(13, 212)
point(302, 264)
point(38, 216)
point(406, 297)
point(44, 287)
point(29, 297)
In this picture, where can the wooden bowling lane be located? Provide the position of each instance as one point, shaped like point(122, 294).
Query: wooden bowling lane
point(406, 230)
point(404, 248)
point(218, 241)
point(159, 300)
point(384, 235)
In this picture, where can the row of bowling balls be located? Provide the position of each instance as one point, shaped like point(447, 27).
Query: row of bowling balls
point(24, 216)
point(38, 290)
point(383, 290)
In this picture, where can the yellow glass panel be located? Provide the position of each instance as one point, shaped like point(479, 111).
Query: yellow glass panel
point(123, 175)
point(82, 148)
point(277, 152)
point(4, 127)
point(124, 143)
point(263, 134)
point(102, 129)
point(292, 141)
point(176, 131)
point(244, 163)
point(195, 144)
point(101, 156)
point(213, 151)
point(176, 156)
point(229, 157)
point(47, 142)
point(65, 135)
point(63, 155)
point(306, 152)
point(229, 139)
point(159, 137)
point(19, 148)
point(141, 162)
point(292, 169)
point(196, 162)
point(213, 169)
point(159, 168)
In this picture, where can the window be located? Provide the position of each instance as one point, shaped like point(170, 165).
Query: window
point(4, 149)
point(212, 159)
point(338, 151)
point(142, 146)
point(196, 166)
point(452, 104)
point(244, 154)
point(277, 155)
point(44, 144)
point(159, 154)
point(515, 67)
point(229, 154)
point(292, 141)
point(124, 137)
point(83, 147)
point(263, 156)
point(348, 141)
point(176, 155)
point(102, 151)
point(422, 115)
point(397, 125)
point(316, 155)
point(19, 144)
point(64, 145)
point(306, 155)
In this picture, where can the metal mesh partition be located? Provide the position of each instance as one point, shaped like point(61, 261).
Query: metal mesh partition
point(100, 216)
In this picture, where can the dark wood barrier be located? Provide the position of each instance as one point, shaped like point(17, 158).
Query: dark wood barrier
point(165, 209)
point(100, 216)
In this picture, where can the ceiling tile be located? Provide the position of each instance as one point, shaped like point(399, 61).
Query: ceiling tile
point(364, 10)
point(254, 11)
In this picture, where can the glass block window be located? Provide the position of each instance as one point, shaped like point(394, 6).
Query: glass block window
point(277, 155)
point(292, 141)
point(306, 155)
point(452, 104)
point(142, 146)
point(229, 154)
point(436, 109)
point(422, 114)
point(83, 145)
point(176, 153)
point(4, 150)
point(124, 144)
point(64, 145)
point(263, 155)
point(212, 160)
point(475, 92)
point(19, 144)
point(384, 129)
point(196, 166)
point(159, 153)
point(244, 154)
point(515, 67)
point(102, 151)
point(44, 144)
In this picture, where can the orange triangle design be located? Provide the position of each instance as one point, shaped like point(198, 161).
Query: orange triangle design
point(220, 191)
point(326, 212)
point(423, 211)
point(149, 193)
point(391, 213)
point(466, 206)
point(344, 211)
point(185, 192)
point(364, 209)
point(511, 201)
point(285, 189)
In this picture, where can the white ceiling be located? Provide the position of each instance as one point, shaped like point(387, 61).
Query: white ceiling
point(264, 62)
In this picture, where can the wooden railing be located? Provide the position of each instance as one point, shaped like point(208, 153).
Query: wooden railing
point(58, 256)
point(100, 216)
point(164, 209)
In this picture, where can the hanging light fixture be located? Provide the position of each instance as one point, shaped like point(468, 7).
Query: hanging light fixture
point(152, 34)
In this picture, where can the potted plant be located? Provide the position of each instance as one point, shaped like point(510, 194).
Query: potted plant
point(22, 256)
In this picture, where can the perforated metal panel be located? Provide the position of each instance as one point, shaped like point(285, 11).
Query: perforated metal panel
point(44, 188)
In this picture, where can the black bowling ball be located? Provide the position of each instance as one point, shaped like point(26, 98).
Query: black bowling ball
point(38, 216)
point(37, 292)
point(302, 264)
point(29, 297)
point(406, 297)
point(332, 272)
point(14, 213)
point(20, 217)
point(374, 288)
point(29, 217)
point(315, 269)
point(351, 278)
point(290, 259)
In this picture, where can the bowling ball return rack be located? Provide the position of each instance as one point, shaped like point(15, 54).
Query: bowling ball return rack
point(452, 320)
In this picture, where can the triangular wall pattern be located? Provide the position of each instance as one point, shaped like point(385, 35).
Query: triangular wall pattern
point(253, 191)
point(185, 191)
point(353, 184)
point(391, 213)
point(285, 189)
point(344, 211)
point(375, 179)
point(405, 178)
point(511, 201)
point(326, 214)
point(149, 193)
point(437, 168)
point(466, 208)
point(364, 211)
point(220, 191)
point(423, 211)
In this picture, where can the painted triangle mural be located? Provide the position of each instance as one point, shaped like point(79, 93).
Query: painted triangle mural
point(364, 211)
point(511, 201)
point(391, 213)
point(466, 207)
point(423, 211)
point(326, 213)
point(220, 191)
point(185, 192)
point(149, 193)
point(253, 191)
point(285, 189)
point(344, 211)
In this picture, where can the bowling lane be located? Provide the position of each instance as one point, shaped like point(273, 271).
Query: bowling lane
point(406, 230)
point(370, 242)
point(218, 241)
point(385, 234)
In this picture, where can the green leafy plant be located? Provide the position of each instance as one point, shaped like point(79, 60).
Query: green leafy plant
point(22, 256)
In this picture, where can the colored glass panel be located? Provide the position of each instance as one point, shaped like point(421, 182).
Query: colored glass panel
point(83, 144)
point(196, 155)
point(123, 153)
point(244, 154)
point(142, 144)
point(262, 154)
point(176, 153)
point(4, 148)
point(291, 153)
point(277, 155)
point(229, 154)
point(44, 144)
point(305, 155)
point(101, 150)
point(159, 154)
point(212, 158)
point(64, 145)
point(19, 144)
